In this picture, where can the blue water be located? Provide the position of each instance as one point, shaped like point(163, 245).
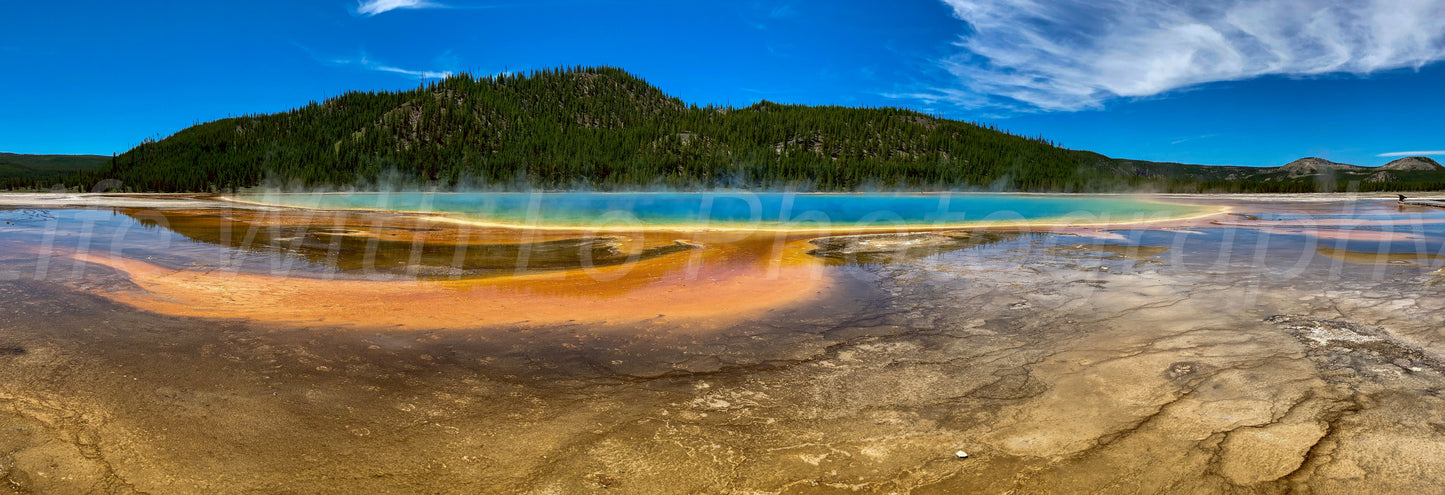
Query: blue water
point(742, 209)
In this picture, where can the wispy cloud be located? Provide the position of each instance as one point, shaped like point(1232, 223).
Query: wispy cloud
point(1066, 55)
point(1410, 153)
point(374, 7)
point(761, 17)
point(364, 61)
point(1192, 138)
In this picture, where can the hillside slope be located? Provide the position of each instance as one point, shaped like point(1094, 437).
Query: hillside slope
point(604, 128)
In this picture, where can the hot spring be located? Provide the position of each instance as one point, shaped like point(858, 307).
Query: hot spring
point(726, 210)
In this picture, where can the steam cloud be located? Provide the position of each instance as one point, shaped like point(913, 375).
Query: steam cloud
point(1070, 55)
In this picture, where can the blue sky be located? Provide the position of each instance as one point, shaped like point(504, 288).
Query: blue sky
point(1246, 82)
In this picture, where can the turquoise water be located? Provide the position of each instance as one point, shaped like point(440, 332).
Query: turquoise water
point(742, 209)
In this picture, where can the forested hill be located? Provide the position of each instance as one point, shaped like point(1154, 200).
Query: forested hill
point(599, 127)
point(604, 128)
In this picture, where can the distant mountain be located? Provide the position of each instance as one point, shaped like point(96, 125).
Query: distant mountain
point(26, 170)
point(1413, 164)
point(603, 128)
point(1314, 166)
point(1413, 173)
point(1310, 174)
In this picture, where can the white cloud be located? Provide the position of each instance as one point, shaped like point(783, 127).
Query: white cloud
point(1076, 54)
point(1410, 153)
point(374, 7)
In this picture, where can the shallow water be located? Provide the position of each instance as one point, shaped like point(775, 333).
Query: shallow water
point(1197, 357)
point(742, 209)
